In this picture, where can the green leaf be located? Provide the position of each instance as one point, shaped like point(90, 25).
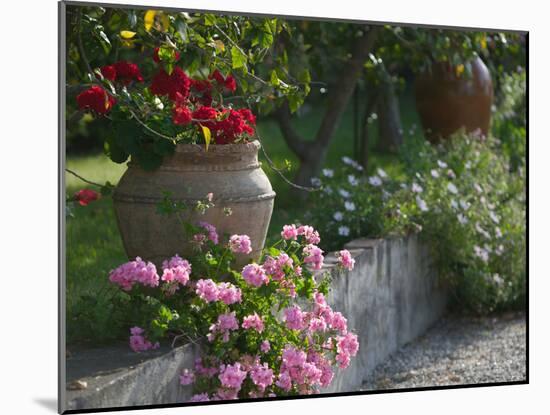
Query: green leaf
point(103, 39)
point(128, 136)
point(164, 147)
point(132, 18)
point(114, 151)
point(274, 79)
point(209, 20)
point(148, 160)
point(238, 59)
point(181, 27)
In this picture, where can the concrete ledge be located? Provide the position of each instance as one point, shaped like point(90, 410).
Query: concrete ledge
point(153, 379)
point(391, 297)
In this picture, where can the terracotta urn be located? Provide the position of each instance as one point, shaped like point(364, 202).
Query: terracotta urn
point(232, 173)
point(448, 100)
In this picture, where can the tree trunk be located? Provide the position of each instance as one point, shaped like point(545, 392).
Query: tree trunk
point(372, 97)
point(312, 154)
point(390, 134)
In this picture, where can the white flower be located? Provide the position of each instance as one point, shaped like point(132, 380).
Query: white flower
point(442, 164)
point(499, 250)
point(353, 180)
point(347, 160)
point(478, 188)
point(403, 185)
point(328, 172)
point(468, 165)
point(497, 279)
point(451, 174)
point(462, 219)
point(315, 181)
point(416, 188)
point(385, 195)
point(498, 232)
point(421, 204)
point(452, 188)
point(454, 205)
point(338, 216)
point(375, 181)
point(328, 190)
point(464, 204)
point(343, 231)
point(482, 231)
point(381, 173)
point(481, 253)
point(357, 166)
point(350, 206)
point(344, 193)
point(434, 173)
point(494, 217)
point(158, 103)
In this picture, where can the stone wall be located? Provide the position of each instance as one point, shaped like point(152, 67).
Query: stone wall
point(392, 296)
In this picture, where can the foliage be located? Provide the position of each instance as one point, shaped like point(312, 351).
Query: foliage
point(465, 201)
point(265, 330)
point(420, 48)
point(220, 54)
point(509, 120)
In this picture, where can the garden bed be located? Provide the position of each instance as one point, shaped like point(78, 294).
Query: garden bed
point(392, 296)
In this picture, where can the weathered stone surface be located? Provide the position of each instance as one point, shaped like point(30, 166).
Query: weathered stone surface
point(116, 376)
point(391, 297)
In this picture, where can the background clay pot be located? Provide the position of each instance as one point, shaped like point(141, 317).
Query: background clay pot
point(231, 172)
point(447, 102)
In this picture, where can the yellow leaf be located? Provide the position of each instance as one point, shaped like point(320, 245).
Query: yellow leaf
point(484, 43)
point(218, 44)
point(165, 20)
point(149, 19)
point(459, 70)
point(207, 135)
point(127, 34)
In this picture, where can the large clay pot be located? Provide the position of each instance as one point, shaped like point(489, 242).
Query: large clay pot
point(447, 102)
point(231, 172)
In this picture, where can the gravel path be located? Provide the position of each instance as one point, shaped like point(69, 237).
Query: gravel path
point(458, 351)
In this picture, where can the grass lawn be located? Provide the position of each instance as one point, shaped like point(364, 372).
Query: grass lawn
point(94, 246)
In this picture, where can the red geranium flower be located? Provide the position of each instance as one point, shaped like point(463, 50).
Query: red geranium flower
point(204, 89)
point(85, 196)
point(127, 72)
point(205, 113)
point(228, 82)
point(96, 99)
point(177, 81)
point(236, 123)
point(156, 57)
point(182, 115)
point(109, 72)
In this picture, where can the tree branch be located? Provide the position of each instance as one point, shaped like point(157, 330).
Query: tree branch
point(294, 141)
point(345, 84)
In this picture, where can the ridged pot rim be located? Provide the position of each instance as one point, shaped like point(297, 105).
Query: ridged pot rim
point(249, 147)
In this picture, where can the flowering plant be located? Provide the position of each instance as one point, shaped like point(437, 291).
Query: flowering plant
point(165, 78)
point(463, 198)
point(151, 117)
point(265, 328)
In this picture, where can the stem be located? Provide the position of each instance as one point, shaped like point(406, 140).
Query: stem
point(80, 45)
point(83, 179)
point(280, 173)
